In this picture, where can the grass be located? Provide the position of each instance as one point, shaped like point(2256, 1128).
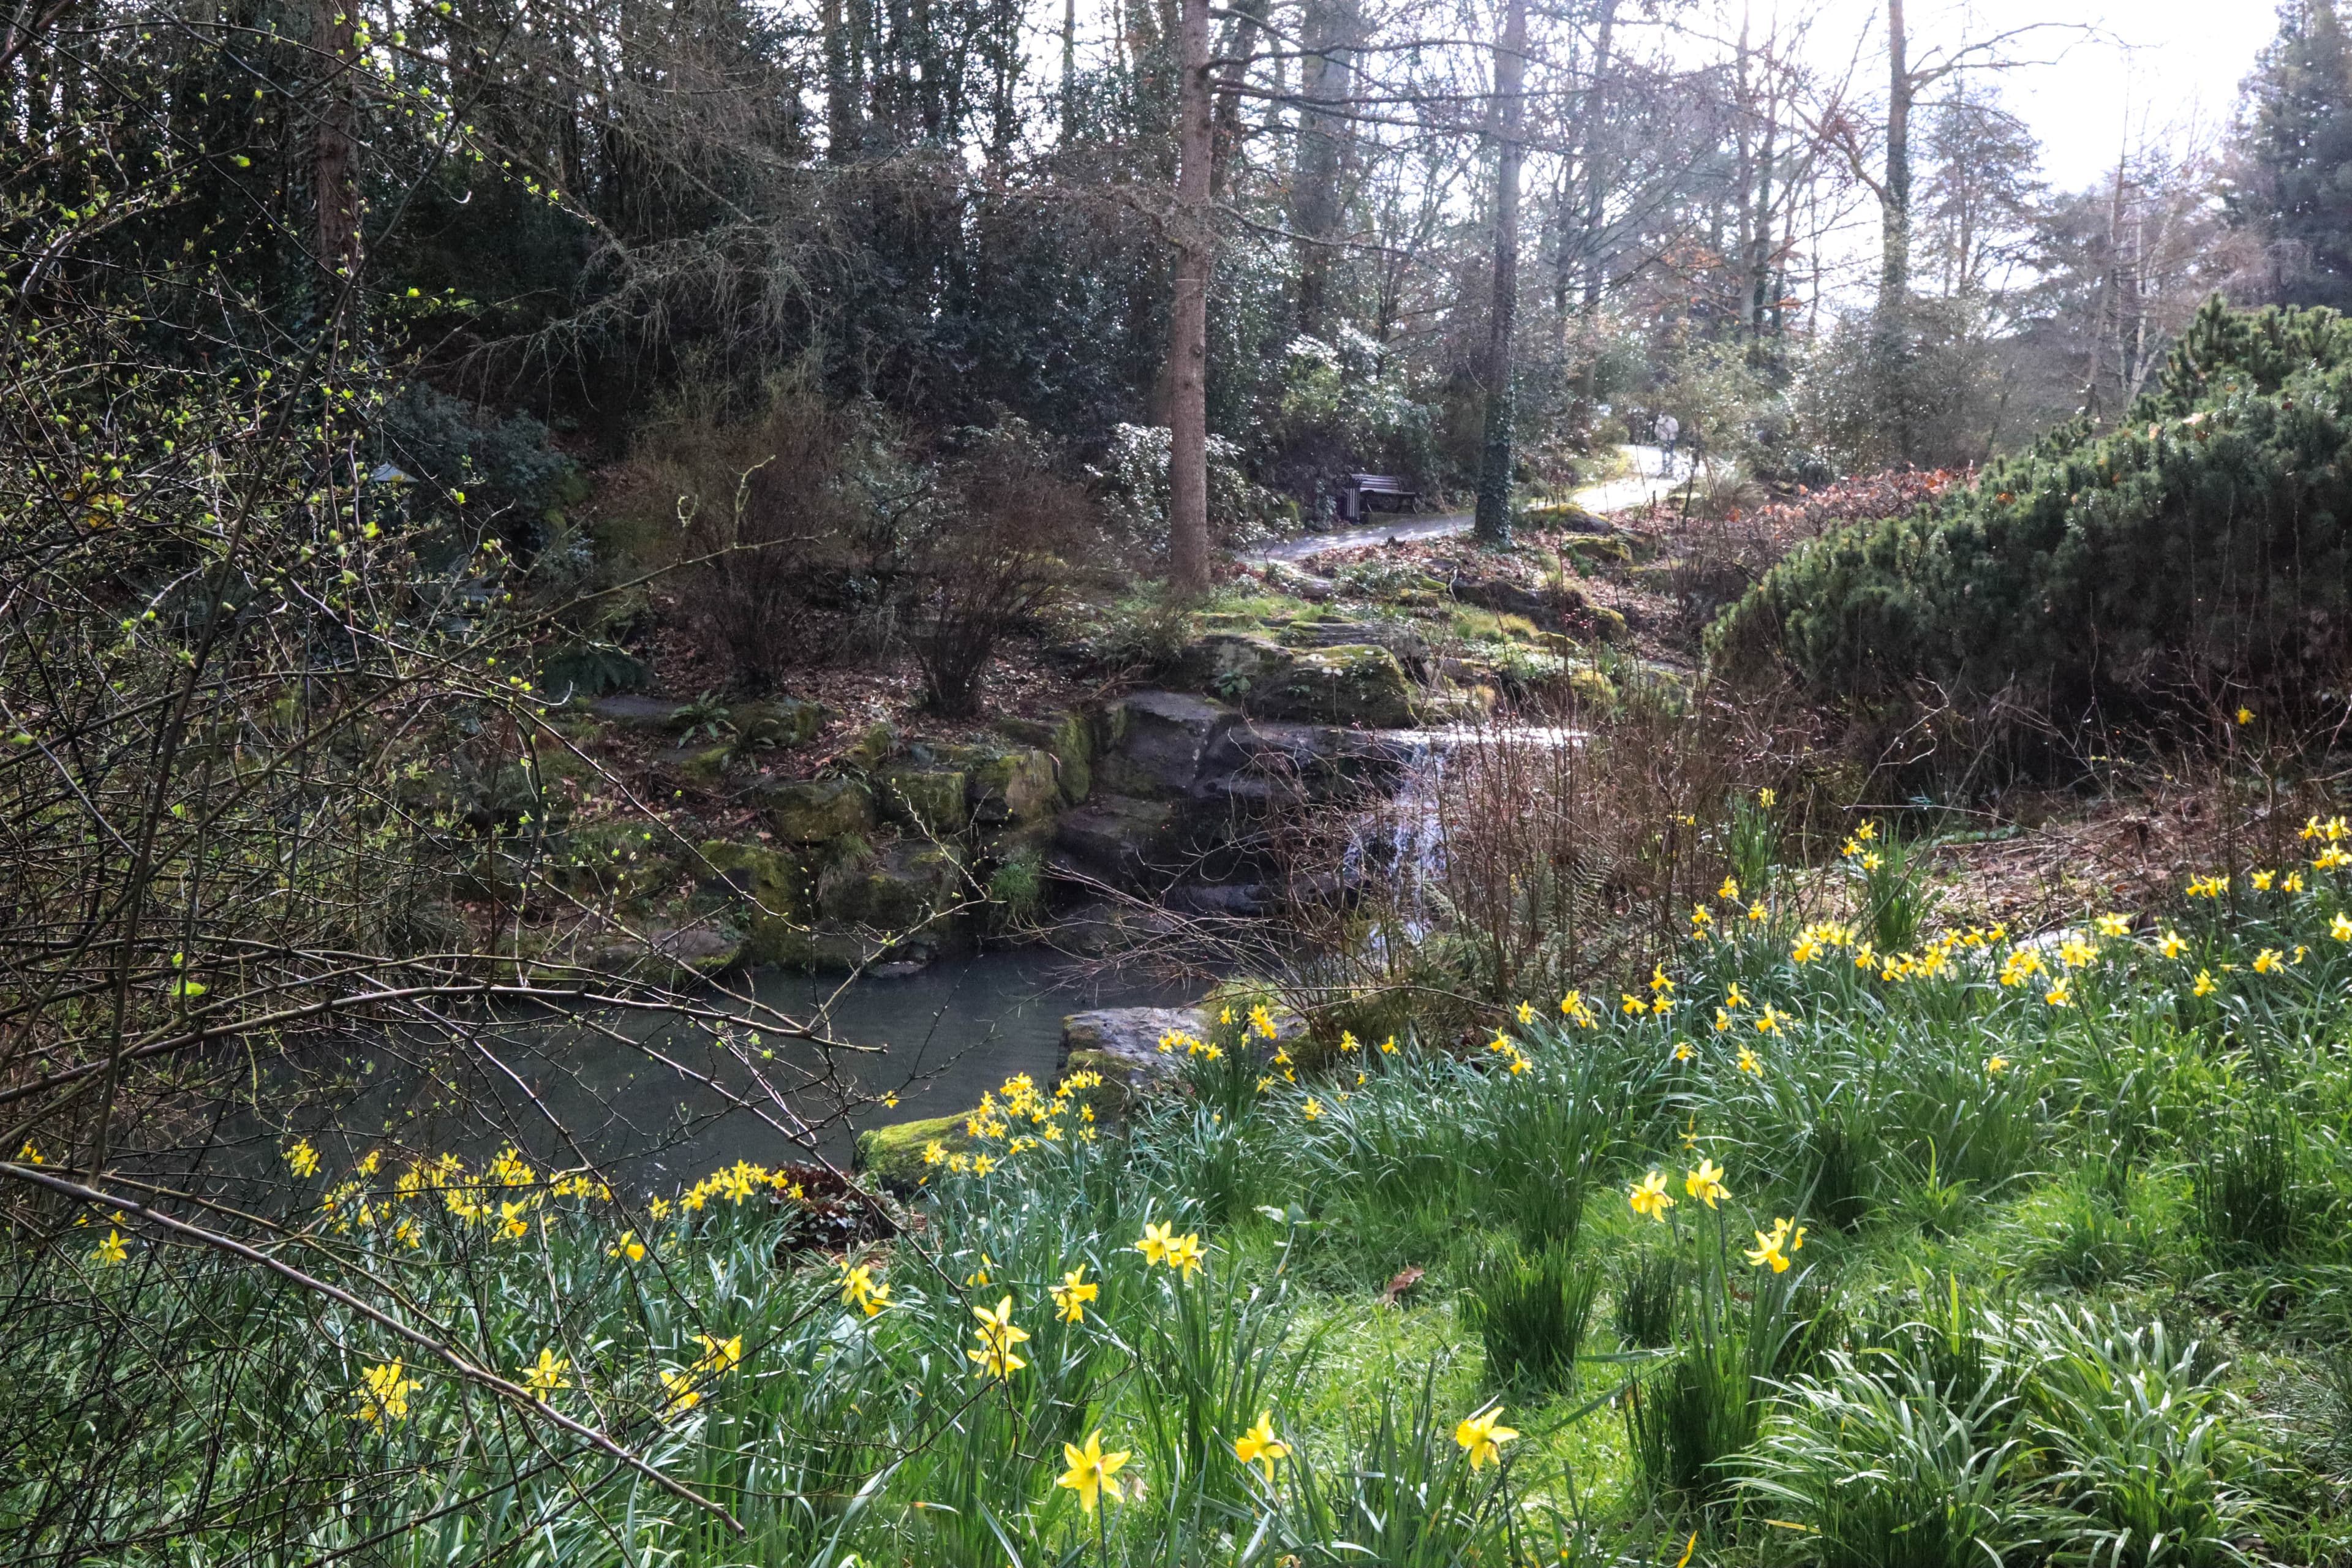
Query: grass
point(2071, 1256)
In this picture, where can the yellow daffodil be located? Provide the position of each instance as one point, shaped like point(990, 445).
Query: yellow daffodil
point(1526, 1010)
point(683, 1394)
point(1749, 1062)
point(546, 1375)
point(997, 1334)
point(629, 1246)
point(2205, 986)
point(1482, 1436)
point(1722, 1020)
point(718, 1355)
point(2114, 925)
point(1258, 1445)
point(2174, 944)
point(1768, 1022)
point(2245, 715)
point(2291, 883)
point(2059, 995)
point(2262, 880)
point(1683, 1051)
point(111, 1250)
point(1995, 1065)
point(1072, 1293)
point(1312, 1109)
point(383, 1394)
point(1184, 1255)
point(2269, 959)
point(2207, 886)
point(1090, 1470)
point(1650, 1196)
point(1706, 1182)
point(1733, 997)
point(1730, 891)
point(1767, 1251)
point(1389, 1047)
point(2341, 927)
point(301, 1159)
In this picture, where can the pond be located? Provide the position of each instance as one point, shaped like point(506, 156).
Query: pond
point(653, 1103)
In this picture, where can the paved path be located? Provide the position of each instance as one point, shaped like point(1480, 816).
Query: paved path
point(1652, 479)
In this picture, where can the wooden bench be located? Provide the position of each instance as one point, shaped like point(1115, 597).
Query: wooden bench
point(1359, 492)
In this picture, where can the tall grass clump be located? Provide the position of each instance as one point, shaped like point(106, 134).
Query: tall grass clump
point(1530, 1311)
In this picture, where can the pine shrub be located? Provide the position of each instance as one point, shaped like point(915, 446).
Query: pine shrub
point(2198, 546)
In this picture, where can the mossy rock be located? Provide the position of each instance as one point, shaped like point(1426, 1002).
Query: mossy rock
point(703, 766)
point(1068, 737)
point(1354, 684)
point(811, 811)
point(899, 890)
point(1592, 689)
point(893, 1154)
point(775, 882)
point(1610, 547)
point(779, 721)
point(878, 745)
point(1015, 787)
point(932, 800)
point(1233, 664)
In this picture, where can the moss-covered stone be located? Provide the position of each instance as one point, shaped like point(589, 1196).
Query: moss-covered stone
point(779, 721)
point(893, 1154)
point(1592, 689)
point(931, 800)
point(1353, 684)
point(703, 766)
point(811, 811)
point(1069, 739)
point(1594, 549)
point(878, 745)
point(898, 889)
point(1015, 787)
point(774, 880)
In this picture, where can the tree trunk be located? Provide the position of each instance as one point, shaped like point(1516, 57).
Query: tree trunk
point(1315, 207)
point(1069, 70)
point(1596, 191)
point(1188, 315)
point(1894, 207)
point(337, 236)
point(1893, 336)
point(1493, 520)
point(1239, 53)
point(841, 114)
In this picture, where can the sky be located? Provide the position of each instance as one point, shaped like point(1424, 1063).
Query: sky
point(2163, 68)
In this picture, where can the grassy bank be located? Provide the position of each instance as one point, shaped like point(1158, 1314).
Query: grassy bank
point(1803, 1250)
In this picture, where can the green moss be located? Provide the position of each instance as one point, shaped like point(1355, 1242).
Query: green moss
point(893, 1154)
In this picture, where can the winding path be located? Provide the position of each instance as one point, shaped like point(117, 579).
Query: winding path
point(1651, 478)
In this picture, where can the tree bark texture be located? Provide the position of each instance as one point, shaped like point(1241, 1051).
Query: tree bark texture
point(1188, 315)
point(1493, 525)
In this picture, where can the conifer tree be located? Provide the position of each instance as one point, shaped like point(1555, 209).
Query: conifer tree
point(2293, 187)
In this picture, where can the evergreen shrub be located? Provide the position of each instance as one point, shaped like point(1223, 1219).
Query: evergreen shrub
point(2199, 547)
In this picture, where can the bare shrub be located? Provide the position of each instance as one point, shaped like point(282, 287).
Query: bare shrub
point(759, 505)
point(1006, 538)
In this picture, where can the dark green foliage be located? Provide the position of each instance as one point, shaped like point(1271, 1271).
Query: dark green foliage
point(2295, 155)
point(2199, 547)
point(1647, 1284)
point(1530, 1310)
point(2245, 1188)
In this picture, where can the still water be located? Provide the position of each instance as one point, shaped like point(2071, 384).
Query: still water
point(656, 1104)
